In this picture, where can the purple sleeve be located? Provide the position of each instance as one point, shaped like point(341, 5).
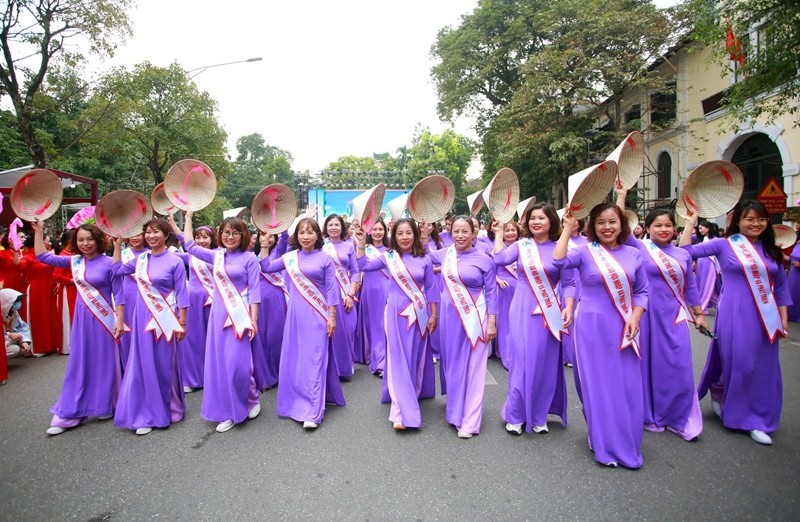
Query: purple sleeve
point(253, 278)
point(352, 264)
point(640, 283)
point(280, 247)
point(270, 266)
point(120, 269)
point(572, 260)
point(117, 288)
point(331, 285)
point(366, 264)
point(780, 289)
point(507, 255)
point(567, 282)
point(795, 255)
point(51, 259)
point(179, 282)
point(431, 290)
point(691, 294)
point(199, 252)
point(490, 285)
point(437, 256)
point(706, 248)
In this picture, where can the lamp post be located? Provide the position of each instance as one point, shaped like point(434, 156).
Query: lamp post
point(198, 70)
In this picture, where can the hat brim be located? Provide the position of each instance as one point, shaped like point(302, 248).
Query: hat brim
point(273, 209)
point(123, 213)
point(37, 194)
point(431, 199)
point(190, 185)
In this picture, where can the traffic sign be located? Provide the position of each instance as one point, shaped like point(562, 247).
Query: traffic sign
point(773, 197)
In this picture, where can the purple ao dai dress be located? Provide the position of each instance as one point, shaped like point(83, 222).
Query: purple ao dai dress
point(344, 336)
point(794, 285)
point(568, 340)
point(192, 348)
point(129, 292)
point(506, 327)
point(271, 322)
point(371, 343)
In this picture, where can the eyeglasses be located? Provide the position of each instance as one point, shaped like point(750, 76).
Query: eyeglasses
point(760, 221)
point(231, 233)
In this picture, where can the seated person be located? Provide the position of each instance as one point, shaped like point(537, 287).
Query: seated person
point(17, 331)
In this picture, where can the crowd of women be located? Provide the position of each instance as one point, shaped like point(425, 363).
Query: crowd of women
point(152, 323)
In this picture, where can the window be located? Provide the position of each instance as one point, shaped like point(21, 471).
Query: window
point(634, 113)
point(663, 106)
point(664, 173)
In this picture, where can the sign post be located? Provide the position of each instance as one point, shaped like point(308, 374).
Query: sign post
point(773, 197)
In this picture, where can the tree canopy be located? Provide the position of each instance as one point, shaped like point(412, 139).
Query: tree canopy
point(257, 165)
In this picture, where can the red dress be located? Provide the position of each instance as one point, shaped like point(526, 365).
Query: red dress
point(42, 312)
point(66, 293)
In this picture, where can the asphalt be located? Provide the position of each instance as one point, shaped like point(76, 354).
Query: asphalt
point(356, 467)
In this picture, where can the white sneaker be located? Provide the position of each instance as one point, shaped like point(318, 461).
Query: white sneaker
point(514, 428)
point(761, 437)
point(254, 411)
point(55, 430)
point(188, 389)
point(106, 417)
point(540, 429)
point(143, 431)
point(222, 427)
point(716, 408)
point(464, 435)
point(310, 425)
point(612, 464)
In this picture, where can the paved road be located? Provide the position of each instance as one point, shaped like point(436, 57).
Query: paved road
point(355, 467)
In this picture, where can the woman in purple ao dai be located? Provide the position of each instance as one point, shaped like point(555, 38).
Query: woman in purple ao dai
point(568, 339)
point(411, 313)
point(346, 271)
point(92, 377)
point(229, 394)
point(606, 333)
point(743, 371)
point(133, 246)
point(794, 284)
point(371, 343)
point(151, 395)
point(308, 375)
point(468, 313)
point(536, 384)
point(272, 313)
point(507, 276)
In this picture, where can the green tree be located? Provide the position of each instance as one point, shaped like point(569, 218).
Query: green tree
point(354, 164)
point(35, 35)
point(257, 165)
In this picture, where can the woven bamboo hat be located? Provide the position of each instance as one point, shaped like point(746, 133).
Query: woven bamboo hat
point(590, 186)
point(431, 199)
point(367, 206)
point(123, 213)
point(475, 202)
point(629, 157)
point(190, 185)
point(680, 207)
point(37, 194)
point(273, 209)
point(631, 217)
point(713, 188)
point(502, 195)
point(397, 206)
point(785, 237)
point(160, 202)
point(525, 206)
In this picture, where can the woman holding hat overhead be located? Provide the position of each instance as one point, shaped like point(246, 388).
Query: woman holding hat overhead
point(707, 269)
point(468, 312)
point(568, 340)
point(272, 313)
point(133, 247)
point(613, 299)
point(505, 236)
point(743, 371)
point(151, 395)
point(411, 312)
point(346, 271)
point(308, 374)
point(374, 289)
point(229, 394)
point(93, 370)
point(536, 383)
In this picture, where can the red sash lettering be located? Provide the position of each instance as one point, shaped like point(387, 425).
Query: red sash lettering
point(471, 312)
point(91, 296)
point(342, 275)
point(533, 268)
point(417, 309)
point(164, 321)
point(672, 273)
point(304, 285)
point(205, 277)
point(235, 304)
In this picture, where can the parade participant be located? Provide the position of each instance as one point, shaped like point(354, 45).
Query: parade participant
point(536, 383)
point(613, 299)
point(271, 314)
point(133, 247)
point(793, 311)
point(66, 294)
point(308, 374)
point(151, 395)
point(743, 370)
point(568, 339)
point(411, 312)
point(229, 389)
point(10, 273)
point(506, 286)
point(430, 242)
point(444, 235)
point(468, 312)
point(707, 269)
point(346, 267)
point(371, 343)
point(192, 348)
point(93, 370)
point(40, 306)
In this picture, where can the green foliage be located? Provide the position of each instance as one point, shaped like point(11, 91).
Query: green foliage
point(257, 165)
point(12, 149)
point(354, 163)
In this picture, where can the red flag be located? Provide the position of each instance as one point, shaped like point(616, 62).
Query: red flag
point(734, 47)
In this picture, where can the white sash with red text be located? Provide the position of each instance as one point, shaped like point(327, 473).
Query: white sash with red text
point(204, 276)
point(417, 309)
point(342, 275)
point(533, 268)
point(755, 271)
point(304, 285)
point(619, 289)
point(672, 273)
point(277, 281)
point(238, 310)
point(164, 321)
point(92, 298)
point(374, 253)
point(471, 312)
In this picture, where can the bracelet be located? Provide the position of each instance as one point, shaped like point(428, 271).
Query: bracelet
point(361, 248)
point(434, 317)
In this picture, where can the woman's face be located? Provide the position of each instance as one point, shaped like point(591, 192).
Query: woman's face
point(637, 231)
point(48, 244)
point(607, 227)
point(86, 243)
point(155, 238)
point(703, 230)
point(231, 239)
point(510, 233)
point(462, 235)
point(203, 238)
point(307, 237)
point(539, 224)
point(334, 229)
point(404, 236)
point(661, 230)
point(136, 242)
point(378, 233)
point(752, 224)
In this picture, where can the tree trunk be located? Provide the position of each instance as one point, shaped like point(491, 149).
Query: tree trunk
point(35, 149)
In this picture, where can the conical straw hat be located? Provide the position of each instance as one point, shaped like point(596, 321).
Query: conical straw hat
point(190, 185)
point(367, 206)
point(590, 187)
point(525, 206)
point(631, 217)
point(123, 213)
point(629, 157)
point(713, 188)
point(431, 199)
point(273, 209)
point(397, 206)
point(680, 207)
point(560, 213)
point(785, 237)
point(502, 195)
point(37, 194)
point(160, 202)
point(475, 202)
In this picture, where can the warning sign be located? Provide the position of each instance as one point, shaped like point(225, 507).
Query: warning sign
point(773, 197)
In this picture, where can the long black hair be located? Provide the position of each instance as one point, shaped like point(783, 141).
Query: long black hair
point(767, 237)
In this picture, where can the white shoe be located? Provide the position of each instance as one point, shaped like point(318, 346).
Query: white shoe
point(106, 417)
point(143, 431)
point(514, 428)
point(222, 427)
point(188, 389)
point(254, 411)
point(612, 464)
point(55, 430)
point(464, 435)
point(761, 437)
point(540, 429)
point(716, 408)
point(310, 425)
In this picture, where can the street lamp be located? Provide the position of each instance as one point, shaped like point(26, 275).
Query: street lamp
point(206, 67)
